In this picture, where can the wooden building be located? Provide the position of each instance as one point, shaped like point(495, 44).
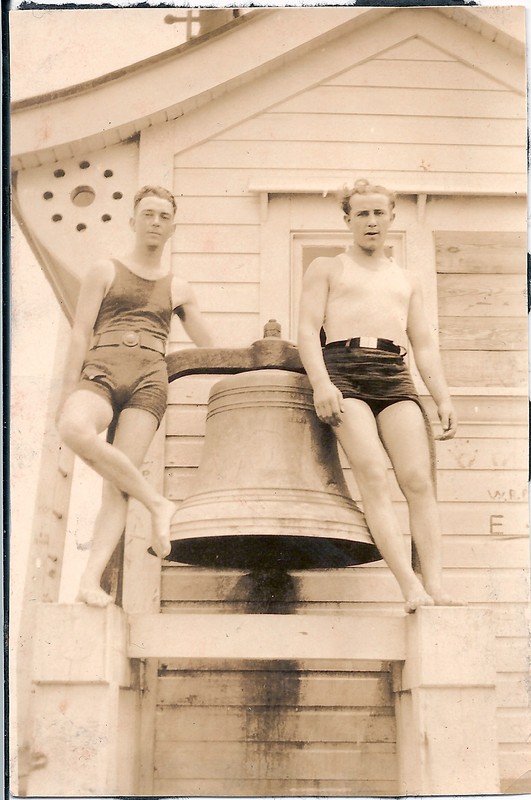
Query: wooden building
point(255, 125)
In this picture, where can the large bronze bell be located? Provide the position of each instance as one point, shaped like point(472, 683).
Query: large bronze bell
point(269, 491)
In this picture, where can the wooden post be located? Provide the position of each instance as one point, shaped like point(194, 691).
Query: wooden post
point(84, 728)
point(45, 556)
point(445, 704)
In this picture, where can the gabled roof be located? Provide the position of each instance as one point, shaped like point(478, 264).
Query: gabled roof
point(111, 109)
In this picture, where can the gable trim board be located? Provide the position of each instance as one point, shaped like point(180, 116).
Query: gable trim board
point(199, 73)
point(37, 130)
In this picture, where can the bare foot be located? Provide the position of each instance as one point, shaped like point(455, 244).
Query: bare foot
point(416, 599)
point(93, 596)
point(160, 528)
point(442, 599)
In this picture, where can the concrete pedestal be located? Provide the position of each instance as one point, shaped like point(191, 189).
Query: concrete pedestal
point(446, 705)
point(84, 722)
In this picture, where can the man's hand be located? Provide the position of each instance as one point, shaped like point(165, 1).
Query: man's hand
point(328, 402)
point(448, 419)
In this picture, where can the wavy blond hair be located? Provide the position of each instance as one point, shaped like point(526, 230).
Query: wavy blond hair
point(363, 186)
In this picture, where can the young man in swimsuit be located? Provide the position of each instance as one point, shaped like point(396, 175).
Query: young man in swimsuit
point(369, 308)
point(116, 373)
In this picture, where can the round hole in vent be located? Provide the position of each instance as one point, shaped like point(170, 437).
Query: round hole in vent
point(81, 226)
point(84, 164)
point(106, 218)
point(57, 218)
point(59, 173)
point(108, 173)
point(82, 196)
point(48, 195)
point(117, 195)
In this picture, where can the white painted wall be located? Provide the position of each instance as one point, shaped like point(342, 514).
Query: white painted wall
point(35, 320)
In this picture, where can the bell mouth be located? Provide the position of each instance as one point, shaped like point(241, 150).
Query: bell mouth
point(267, 551)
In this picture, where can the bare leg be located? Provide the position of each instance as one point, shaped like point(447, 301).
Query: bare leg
point(85, 416)
point(134, 433)
point(358, 435)
point(403, 432)
point(108, 527)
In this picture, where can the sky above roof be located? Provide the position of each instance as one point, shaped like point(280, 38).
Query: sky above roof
point(54, 49)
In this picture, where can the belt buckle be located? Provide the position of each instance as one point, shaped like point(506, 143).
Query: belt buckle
point(369, 341)
point(130, 339)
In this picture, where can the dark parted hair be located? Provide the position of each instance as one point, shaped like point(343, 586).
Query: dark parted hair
point(155, 191)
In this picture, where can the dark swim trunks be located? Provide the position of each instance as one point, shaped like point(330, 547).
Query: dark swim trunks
point(377, 377)
point(127, 377)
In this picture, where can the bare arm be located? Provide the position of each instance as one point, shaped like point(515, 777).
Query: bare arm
point(190, 314)
point(91, 294)
point(328, 400)
point(428, 360)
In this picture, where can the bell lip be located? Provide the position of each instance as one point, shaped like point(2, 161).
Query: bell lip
point(266, 552)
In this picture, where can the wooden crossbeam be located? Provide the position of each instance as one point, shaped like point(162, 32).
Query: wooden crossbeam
point(267, 636)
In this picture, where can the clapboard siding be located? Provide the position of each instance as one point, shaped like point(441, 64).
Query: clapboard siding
point(178, 723)
point(365, 584)
point(284, 760)
point(204, 182)
point(227, 297)
point(385, 72)
point(481, 251)
point(228, 329)
point(418, 116)
point(217, 239)
point(345, 156)
point(191, 389)
point(482, 333)
point(415, 48)
point(217, 211)
point(340, 127)
point(414, 102)
point(482, 307)
point(213, 267)
point(467, 368)
point(270, 723)
point(482, 295)
point(225, 689)
point(482, 454)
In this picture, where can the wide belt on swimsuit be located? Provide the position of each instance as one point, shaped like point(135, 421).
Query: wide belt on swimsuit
point(368, 341)
point(130, 339)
